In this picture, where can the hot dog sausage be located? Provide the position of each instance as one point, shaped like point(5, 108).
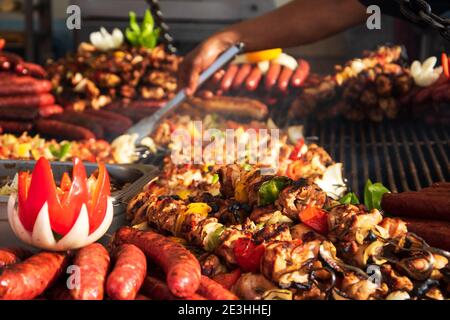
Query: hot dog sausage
point(129, 271)
point(34, 70)
point(300, 75)
point(181, 267)
point(253, 79)
point(241, 75)
point(36, 101)
point(61, 130)
point(214, 291)
point(30, 278)
point(157, 290)
point(93, 261)
point(272, 75)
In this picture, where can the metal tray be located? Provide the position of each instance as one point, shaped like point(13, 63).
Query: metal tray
point(123, 175)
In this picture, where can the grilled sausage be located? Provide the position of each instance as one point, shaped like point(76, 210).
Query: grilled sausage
point(113, 123)
point(31, 101)
point(253, 79)
point(25, 88)
point(300, 75)
point(422, 205)
point(284, 78)
point(30, 278)
point(62, 130)
point(181, 267)
point(51, 109)
point(272, 75)
point(34, 70)
point(157, 290)
point(435, 233)
point(21, 114)
point(229, 76)
point(214, 291)
point(238, 106)
point(11, 57)
point(129, 271)
point(15, 126)
point(79, 119)
point(241, 75)
point(93, 261)
point(12, 255)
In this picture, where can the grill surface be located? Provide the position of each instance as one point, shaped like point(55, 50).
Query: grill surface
point(402, 155)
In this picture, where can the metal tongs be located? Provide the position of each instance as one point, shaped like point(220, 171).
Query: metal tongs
point(146, 126)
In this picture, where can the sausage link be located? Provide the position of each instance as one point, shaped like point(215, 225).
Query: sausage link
point(10, 256)
point(434, 232)
point(214, 291)
point(35, 101)
point(15, 126)
point(26, 88)
point(93, 261)
point(242, 74)
point(34, 70)
point(62, 130)
point(30, 278)
point(79, 119)
point(181, 267)
point(228, 78)
point(272, 75)
point(113, 123)
point(253, 79)
point(51, 109)
point(157, 290)
point(129, 271)
point(284, 78)
point(20, 114)
point(300, 75)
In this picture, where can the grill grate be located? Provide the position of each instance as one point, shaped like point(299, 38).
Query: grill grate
point(402, 155)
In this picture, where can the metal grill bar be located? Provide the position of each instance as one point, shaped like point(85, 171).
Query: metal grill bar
point(402, 155)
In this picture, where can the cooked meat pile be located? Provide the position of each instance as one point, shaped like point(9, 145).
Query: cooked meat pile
point(300, 243)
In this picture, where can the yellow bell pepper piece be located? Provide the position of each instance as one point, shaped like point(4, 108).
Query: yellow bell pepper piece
point(200, 208)
point(23, 150)
point(240, 192)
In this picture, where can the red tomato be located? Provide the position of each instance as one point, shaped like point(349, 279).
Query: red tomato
point(315, 218)
point(298, 147)
point(248, 255)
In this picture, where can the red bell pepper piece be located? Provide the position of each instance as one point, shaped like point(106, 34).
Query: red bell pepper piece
point(99, 199)
point(248, 254)
point(295, 154)
point(315, 218)
point(71, 201)
point(2, 44)
point(66, 182)
point(227, 280)
point(41, 189)
point(446, 65)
